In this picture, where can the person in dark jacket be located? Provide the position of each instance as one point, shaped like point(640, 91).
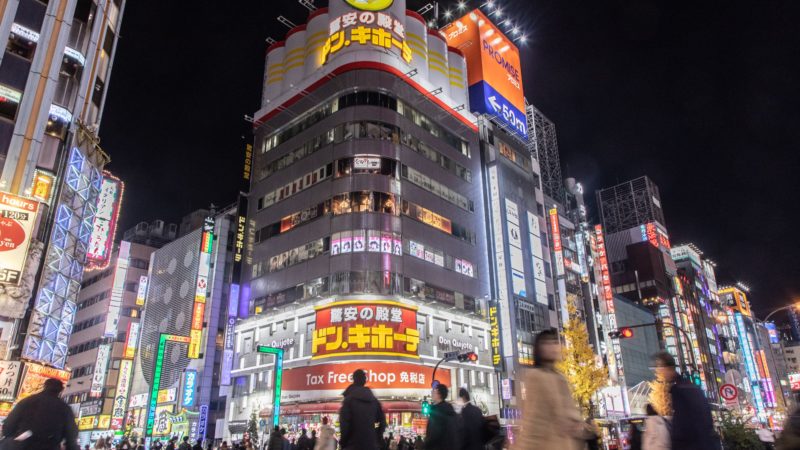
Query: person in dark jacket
point(361, 418)
point(275, 439)
point(46, 417)
point(692, 426)
point(472, 423)
point(304, 443)
point(442, 432)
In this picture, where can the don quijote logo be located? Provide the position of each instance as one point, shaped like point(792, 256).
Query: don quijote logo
point(370, 5)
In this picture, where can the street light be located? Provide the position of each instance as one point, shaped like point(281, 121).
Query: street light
point(782, 308)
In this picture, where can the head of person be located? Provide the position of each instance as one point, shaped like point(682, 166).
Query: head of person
point(664, 366)
point(303, 431)
point(439, 393)
point(546, 348)
point(651, 410)
point(313, 433)
point(325, 420)
point(53, 386)
point(186, 439)
point(463, 394)
point(359, 378)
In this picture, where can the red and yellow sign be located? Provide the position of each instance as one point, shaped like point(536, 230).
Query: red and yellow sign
point(35, 375)
point(365, 328)
point(386, 378)
point(377, 30)
point(370, 5)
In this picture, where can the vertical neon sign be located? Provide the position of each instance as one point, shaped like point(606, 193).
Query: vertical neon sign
point(151, 407)
point(276, 401)
point(201, 289)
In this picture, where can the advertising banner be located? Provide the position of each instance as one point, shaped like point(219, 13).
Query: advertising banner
point(33, 378)
point(100, 366)
point(141, 292)
point(117, 290)
point(121, 399)
point(131, 341)
point(17, 218)
point(9, 374)
point(101, 241)
point(493, 69)
point(365, 328)
point(189, 387)
point(326, 381)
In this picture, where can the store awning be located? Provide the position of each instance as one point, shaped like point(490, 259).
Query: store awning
point(333, 408)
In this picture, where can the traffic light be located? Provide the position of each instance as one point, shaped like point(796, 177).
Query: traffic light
point(426, 408)
point(467, 357)
point(621, 333)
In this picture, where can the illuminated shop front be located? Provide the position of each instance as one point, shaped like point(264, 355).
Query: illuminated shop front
point(395, 341)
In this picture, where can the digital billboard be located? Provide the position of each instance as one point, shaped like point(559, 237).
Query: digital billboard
point(493, 69)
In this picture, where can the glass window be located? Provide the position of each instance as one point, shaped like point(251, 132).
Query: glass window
point(9, 102)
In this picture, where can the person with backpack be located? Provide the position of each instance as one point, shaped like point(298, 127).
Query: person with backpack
point(474, 431)
point(656, 431)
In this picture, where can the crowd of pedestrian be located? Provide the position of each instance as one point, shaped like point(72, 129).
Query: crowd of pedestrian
point(550, 420)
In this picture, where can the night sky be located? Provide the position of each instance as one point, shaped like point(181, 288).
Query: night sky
point(702, 97)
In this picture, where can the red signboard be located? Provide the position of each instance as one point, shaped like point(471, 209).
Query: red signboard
point(794, 382)
point(365, 328)
point(652, 234)
point(605, 275)
point(384, 378)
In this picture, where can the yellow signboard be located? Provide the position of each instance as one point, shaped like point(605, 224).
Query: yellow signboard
point(87, 423)
point(195, 341)
point(370, 5)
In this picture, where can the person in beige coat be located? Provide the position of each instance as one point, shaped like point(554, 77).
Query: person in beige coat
point(550, 418)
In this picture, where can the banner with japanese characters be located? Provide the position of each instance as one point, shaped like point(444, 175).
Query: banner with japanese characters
point(365, 328)
point(17, 219)
point(9, 374)
point(386, 379)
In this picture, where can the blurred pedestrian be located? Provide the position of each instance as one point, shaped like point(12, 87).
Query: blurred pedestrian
point(635, 437)
point(224, 446)
point(419, 444)
point(656, 431)
point(766, 436)
point(361, 418)
point(198, 445)
point(474, 435)
point(550, 418)
point(171, 443)
point(313, 439)
point(442, 431)
point(275, 440)
point(185, 444)
point(42, 421)
point(304, 443)
point(692, 426)
point(327, 437)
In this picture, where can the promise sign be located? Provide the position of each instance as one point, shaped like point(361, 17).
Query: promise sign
point(352, 328)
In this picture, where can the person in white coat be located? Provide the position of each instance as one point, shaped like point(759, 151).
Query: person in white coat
point(656, 432)
point(327, 437)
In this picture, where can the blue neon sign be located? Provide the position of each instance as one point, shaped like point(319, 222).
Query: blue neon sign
point(189, 388)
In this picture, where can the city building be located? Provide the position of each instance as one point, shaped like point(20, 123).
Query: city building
point(54, 76)
point(178, 377)
point(105, 335)
point(367, 208)
point(696, 285)
point(791, 354)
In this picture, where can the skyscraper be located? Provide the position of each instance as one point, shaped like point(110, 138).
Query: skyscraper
point(53, 80)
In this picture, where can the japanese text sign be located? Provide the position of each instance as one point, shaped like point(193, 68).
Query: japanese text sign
point(365, 328)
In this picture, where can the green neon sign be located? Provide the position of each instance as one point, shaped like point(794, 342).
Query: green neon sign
point(151, 408)
point(276, 403)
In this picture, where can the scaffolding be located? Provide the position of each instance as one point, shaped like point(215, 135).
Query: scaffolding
point(630, 204)
point(543, 145)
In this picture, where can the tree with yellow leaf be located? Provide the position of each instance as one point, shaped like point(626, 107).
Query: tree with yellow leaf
point(578, 365)
point(660, 397)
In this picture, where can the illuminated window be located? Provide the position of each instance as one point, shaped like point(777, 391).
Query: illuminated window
point(9, 102)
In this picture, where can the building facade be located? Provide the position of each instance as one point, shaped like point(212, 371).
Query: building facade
point(53, 80)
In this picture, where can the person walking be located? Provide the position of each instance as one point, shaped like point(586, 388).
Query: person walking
point(327, 437)
point(313, 439)
point(185, 445)
point(766, 436)
point(550, 418)
point(472, 423)
point(304, 443)
point(275, 440)
point(43, 421)
point(198, 445)
point(442, 430)
point(171, 443)
point(656, 431)
point(692, 425)
point(361, 417)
